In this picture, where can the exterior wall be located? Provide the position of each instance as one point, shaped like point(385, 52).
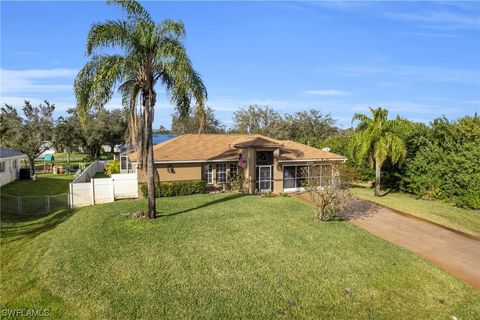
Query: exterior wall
point(181, 172)
point(10, 173)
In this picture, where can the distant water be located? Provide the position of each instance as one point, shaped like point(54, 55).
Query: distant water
point(159, 138)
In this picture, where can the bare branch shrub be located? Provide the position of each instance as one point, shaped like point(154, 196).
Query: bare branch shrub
point(326, 186)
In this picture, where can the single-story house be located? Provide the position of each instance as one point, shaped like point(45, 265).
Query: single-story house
point(265, 164)
point(10, 163)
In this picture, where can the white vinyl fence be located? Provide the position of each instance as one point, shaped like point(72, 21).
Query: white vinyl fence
point(85, 190)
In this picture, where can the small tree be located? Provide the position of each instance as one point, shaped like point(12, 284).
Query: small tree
point(378, 138)
point(326, 184)
point(192, 123)
point(28, 133)
point(66, 136)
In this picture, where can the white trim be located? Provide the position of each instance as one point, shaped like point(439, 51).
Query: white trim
point(193, 161)
point(310, 160)
point(270, 181)
point(293, 190)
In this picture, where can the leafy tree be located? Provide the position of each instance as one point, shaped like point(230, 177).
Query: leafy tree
point(192, 123)
point(377, 138)
point(161, 130)
point(67, 136)
point(261, 120)
point(446, 166)
point(309, 126)
point(28, 133)
point(151, 53)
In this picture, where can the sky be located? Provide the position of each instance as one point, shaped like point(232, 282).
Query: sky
point(421, 60)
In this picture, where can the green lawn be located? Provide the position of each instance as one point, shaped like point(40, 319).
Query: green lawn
point(46, 184)
point(436, 211)
point(222, 256)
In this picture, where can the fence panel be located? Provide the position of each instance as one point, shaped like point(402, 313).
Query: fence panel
point(103, 190)
point(33, 205)
point(9, 204)
point(125, 185)
point(80, 194)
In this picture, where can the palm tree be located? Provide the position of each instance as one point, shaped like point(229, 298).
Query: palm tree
point(377, 139)
point(146, 54)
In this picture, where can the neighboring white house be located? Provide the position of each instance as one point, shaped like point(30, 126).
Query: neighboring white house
point(10, 163)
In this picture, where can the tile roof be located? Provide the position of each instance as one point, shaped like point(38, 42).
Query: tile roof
point(204, 147)
point(9, 153)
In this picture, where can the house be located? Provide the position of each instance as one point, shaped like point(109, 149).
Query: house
point(265, 164)
point(125, 165)
point(10, 163)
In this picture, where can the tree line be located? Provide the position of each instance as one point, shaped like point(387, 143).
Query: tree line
point(440, 160)
point(34, 130)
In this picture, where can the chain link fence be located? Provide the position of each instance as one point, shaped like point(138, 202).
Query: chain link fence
point(33, 205)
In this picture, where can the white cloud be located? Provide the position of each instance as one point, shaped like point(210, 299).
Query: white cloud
point(36, 80)
point(444, 19)
point(416, 73)
point(328, 92)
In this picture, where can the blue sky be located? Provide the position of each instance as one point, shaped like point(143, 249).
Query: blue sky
point(419, 59)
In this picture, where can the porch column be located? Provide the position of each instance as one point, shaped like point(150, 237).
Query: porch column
point(250, 172)
point(277, 172)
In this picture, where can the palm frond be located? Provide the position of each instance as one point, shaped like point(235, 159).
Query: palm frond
point(110, 34)
point(133, 9)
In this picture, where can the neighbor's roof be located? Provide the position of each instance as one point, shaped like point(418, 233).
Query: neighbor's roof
point(215, 147)
point(9, 153)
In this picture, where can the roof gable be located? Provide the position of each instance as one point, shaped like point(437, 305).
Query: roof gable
point(9, 153)
point(216, 147)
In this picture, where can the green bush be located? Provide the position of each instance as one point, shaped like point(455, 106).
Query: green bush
point(112, 167)
point(176, 188)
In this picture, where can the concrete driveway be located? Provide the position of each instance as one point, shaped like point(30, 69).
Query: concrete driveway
point(450, 250)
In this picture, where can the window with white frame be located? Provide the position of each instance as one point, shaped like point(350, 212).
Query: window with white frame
point(221, 172)
point(207, 173)
point(2, 166)
point(233, 170)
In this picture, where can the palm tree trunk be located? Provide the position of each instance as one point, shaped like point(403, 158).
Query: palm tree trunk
point(377, 178)
point(152, 211)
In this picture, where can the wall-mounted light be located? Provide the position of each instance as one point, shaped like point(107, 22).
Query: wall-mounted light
point(170, 169)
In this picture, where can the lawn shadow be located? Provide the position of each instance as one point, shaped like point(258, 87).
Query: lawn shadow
point(386, 193)
point(358, 209)
point(38, 225)
point(207, 204)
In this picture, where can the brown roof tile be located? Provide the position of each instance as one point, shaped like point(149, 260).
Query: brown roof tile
point(204, 147)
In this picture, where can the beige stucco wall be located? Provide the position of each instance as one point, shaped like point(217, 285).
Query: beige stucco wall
point(181, 171)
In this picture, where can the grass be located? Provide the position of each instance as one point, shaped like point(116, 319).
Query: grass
point(440, 212)
point(219, 256)
point(46, 184)
point(101, 175)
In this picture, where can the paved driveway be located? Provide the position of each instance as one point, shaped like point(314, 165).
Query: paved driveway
point(451, 251)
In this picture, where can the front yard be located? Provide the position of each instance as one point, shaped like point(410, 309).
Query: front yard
point(219, 256)
point(440, 212)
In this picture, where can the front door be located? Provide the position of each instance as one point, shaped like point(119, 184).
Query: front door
point(265, 178)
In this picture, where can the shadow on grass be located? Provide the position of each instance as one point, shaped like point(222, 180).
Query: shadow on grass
point(207, 204)
point(16, 230)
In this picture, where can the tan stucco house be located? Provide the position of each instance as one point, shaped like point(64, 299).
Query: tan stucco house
point(266, 164)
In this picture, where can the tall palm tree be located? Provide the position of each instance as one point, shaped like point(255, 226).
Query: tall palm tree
point(376, 138)
point(145, 54)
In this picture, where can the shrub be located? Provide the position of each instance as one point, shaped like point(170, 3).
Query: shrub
point(176, 188)
point(237, 183)
point(112, 167)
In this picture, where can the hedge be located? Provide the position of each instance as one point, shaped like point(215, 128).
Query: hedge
point(176, 188)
